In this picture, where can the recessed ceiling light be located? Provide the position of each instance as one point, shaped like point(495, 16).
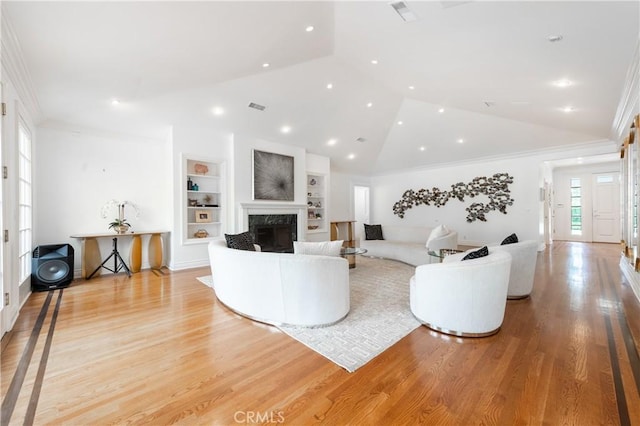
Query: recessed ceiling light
point(285, 129)
point(441, 110)
point(330, 86)
point(562, 83)
point(331, 142)
point(309, 28)
point(351, 156)
point(399, 123)
point(369, 104)
point(411, 87)
point(115, 102)
point(554, 38)
point(568, 109)
point(374, 61)
point(266, 65)
point(218, 111)
point(460, 140)
point(422, 148)
point(579, 160)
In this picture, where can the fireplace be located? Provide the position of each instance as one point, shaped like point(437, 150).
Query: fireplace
point(274, 232)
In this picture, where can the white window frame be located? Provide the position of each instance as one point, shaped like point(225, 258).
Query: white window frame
point(25, 200)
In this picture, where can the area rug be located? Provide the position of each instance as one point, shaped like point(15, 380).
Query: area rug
point(379, 315)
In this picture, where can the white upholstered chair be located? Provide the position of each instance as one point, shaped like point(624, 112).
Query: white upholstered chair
point(463, 298)
point(524, 256)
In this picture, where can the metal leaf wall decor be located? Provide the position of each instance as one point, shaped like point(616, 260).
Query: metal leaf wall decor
point(496, 188)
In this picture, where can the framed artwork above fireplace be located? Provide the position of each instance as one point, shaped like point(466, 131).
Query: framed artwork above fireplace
point(272, 176)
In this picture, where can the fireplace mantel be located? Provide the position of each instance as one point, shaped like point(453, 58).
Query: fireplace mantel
point(300, 210)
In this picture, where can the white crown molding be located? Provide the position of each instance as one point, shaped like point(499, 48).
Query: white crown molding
point(630, 99)
point(16, 69)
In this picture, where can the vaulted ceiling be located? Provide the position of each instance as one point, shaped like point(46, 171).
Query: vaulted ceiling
point(461, 81)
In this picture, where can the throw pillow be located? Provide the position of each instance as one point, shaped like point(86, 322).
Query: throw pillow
point(323, 248)
point(373, 232)
point(242, 241)
point(511, 239)
point(484, 251)
point(437, 232)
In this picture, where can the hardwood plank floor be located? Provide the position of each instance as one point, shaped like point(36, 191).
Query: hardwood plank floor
point(157, 348)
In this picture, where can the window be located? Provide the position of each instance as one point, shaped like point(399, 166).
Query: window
point(576, 207)
point(604, 179)
point(25, 212)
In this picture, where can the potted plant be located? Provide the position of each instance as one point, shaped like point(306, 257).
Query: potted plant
point(120, 225)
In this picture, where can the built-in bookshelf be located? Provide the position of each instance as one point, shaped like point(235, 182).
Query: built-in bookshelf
point(203, 200)
point(316, 204)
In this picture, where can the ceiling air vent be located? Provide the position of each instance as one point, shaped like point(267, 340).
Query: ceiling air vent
point(405, 13)
point(257, 106)
point(361, 140)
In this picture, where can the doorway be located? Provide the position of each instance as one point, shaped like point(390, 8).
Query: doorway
point(586, 204)
point(606, 208)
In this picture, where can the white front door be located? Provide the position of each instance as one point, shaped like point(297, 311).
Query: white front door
point(606, 208)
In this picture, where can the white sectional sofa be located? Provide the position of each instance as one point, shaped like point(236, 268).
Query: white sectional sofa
point(280, 288)
point(408, 244)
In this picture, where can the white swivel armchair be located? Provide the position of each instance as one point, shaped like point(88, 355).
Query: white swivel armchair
point(524, 256)
point(463, 298)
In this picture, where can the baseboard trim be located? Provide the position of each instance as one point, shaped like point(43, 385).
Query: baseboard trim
point(632, 276)
point(189, 264)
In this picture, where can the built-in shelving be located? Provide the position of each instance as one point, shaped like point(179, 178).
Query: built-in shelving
point(316, 204)
point(203, 200)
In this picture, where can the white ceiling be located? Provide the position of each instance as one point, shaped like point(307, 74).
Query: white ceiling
point(171, 63)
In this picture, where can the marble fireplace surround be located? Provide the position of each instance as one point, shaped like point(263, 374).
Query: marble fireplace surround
point(300, 210)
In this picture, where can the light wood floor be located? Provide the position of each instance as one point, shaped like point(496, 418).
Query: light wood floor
point(159, 349)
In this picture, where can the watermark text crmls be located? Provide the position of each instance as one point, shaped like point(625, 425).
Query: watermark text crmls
point(248, 417)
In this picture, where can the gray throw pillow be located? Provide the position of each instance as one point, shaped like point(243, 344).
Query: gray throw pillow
point(242, 241)
point(373, 232)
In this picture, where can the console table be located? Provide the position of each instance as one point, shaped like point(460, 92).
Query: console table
point(92, 259)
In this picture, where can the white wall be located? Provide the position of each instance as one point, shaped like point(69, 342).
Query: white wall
point(208, 145)
point(76, 173)
point(341, 194)
point(521, 217)
point(525, 217)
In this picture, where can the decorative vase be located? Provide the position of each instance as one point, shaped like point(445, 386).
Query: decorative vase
point(121, 229)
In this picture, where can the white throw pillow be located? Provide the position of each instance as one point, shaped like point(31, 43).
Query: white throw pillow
point(323, 248)
point(438, 231)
